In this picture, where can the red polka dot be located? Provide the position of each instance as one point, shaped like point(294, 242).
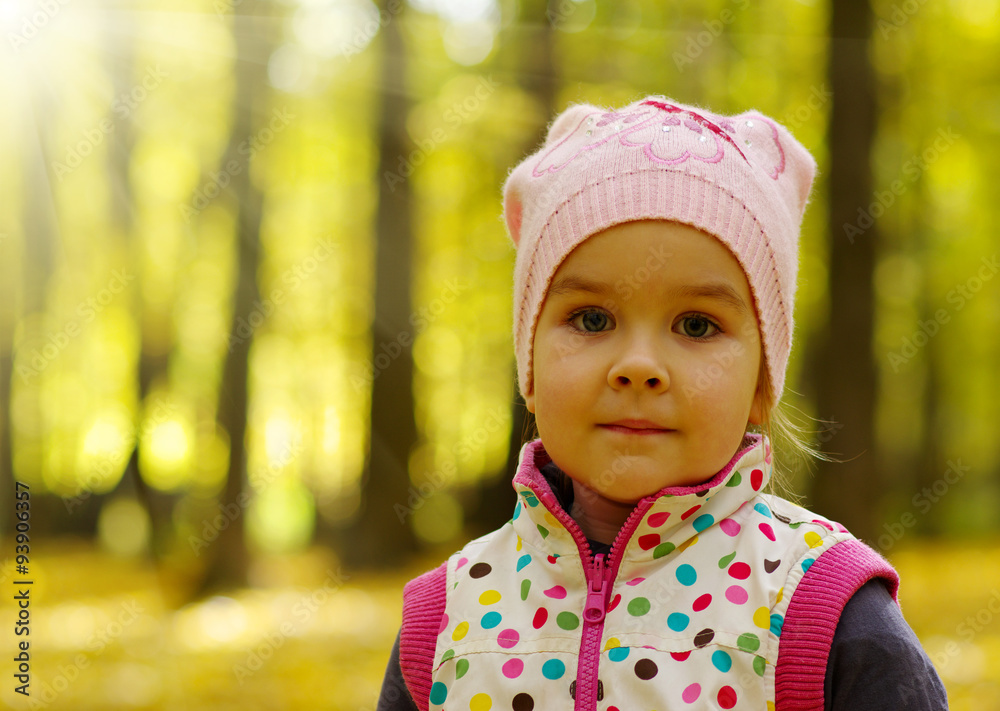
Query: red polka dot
point(614, 602)
point(552, 558)
point(740, 571)
point(702, 602)
point(766, 529)
point(727, 697)
point(680, 656)
point(541, 615)
point(689, 512)
point(650, 540)
point(756, 479)
point(658, 519)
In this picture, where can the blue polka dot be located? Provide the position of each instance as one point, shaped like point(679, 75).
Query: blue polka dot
point(807, 563)
point(703, 522)
point(618, 654)
point(490, 620)
point(762, 509)
point(777, 622)
point(553, 669)
point(523, 561)
point(517, 511)
point(439, 692)
point(686, 575)
point(722, 661)
point(678, 621)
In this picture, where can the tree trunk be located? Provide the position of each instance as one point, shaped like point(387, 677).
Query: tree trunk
point(378, 537)
point(845, 374)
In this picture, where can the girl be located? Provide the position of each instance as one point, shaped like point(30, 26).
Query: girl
point(645, 567)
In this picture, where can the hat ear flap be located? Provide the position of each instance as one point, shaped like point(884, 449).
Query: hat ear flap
point(512, 213)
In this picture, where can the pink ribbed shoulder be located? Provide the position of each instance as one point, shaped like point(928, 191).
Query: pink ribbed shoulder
point(812, 617)
point(424, 600)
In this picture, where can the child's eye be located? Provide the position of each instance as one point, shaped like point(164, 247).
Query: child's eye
point(592, 321)
point(698, 327)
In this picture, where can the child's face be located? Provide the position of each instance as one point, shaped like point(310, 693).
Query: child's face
point(646, 357)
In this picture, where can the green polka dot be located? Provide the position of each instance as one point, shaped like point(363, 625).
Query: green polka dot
point(748, 642)
point(448, 655)
point(735, 480)
point(567, 620)
point(726, 560)
point(525, 587)
point(663, 549)
point(638, 607)
point(759, 664)
point(461, 666)
point(795, 525)
point(542, 530)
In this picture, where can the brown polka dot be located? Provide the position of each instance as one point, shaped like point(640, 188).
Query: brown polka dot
point(523, 702)
point(480, 570)
point(703, 638)
point(645, 669)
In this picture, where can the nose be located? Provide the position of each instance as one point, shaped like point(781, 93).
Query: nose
point(640, 365)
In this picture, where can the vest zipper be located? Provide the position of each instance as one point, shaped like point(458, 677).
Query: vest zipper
point(599, 577)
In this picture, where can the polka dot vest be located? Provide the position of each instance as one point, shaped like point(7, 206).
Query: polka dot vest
point(685, 613)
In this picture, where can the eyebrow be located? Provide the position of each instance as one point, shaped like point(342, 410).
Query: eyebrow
point(719, 292)
point(569, 284)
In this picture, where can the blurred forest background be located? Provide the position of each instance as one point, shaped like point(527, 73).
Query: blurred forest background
point(255, 351)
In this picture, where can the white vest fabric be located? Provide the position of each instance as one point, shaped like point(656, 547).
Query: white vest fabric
point(689, 615)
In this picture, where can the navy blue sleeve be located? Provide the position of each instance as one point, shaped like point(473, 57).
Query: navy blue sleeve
point(395, 696)
point(876, 662)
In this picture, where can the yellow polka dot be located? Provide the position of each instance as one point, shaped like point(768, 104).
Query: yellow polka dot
point(770, 706)
point(687, 544)
point(481, 702)
point(813, 539)
point(612, 643)
point(781, 594)
point(489, 597)
point(553, 521)
point(762, 618)
point(460, 631)
point(518, 546)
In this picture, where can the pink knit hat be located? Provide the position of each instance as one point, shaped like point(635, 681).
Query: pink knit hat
point(743, 179)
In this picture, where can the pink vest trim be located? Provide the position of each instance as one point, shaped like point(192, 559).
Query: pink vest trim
point(812, 617)
point(424, 601)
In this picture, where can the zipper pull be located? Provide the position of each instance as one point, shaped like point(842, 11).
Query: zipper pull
point(597, 591)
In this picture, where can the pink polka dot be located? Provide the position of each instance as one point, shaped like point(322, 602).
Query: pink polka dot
point(736, 595)
point(702, 602)
point(558, 592)
point(766, 529)
point(740, 571)
point(727, 697)
point(461, 562)
point(729, 527)
point(508, 638)
point(691, 694)
point(635, 581)
point(513, 668)
point(444, 623)
point(650, 540)
point(658, 519)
